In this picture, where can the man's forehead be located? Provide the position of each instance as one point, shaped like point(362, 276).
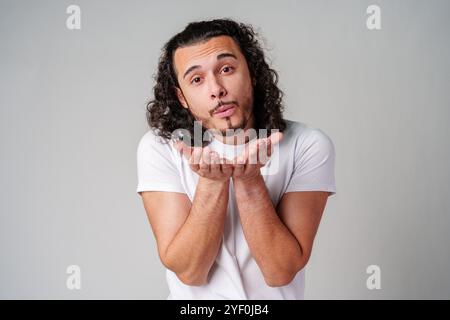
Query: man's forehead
point(190, 54)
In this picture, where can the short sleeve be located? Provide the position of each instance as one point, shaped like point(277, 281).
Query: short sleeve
point(314, 162)
point(156, 168)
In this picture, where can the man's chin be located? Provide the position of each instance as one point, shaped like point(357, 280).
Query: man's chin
point(232, 129)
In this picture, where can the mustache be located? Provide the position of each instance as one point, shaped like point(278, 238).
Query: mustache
point(222, 103)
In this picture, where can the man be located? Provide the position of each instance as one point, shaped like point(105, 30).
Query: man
point(234, 218)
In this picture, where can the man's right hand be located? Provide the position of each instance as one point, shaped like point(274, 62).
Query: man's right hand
point(188, 231)
point(205, 162)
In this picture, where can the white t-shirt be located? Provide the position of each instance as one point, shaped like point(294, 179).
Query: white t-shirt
point(303, 161)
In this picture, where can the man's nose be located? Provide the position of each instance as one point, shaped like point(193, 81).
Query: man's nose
point(217, 89)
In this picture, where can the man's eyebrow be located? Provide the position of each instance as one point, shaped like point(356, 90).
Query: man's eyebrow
point(226, 55)
point(220, 56)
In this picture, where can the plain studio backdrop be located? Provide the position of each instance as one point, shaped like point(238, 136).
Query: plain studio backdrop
point(73, 110)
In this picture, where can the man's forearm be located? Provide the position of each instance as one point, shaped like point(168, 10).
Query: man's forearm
point(194, 248)
point(275, 249)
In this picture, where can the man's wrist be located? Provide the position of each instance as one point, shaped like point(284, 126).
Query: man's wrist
point(213, 183)
point(248, 181)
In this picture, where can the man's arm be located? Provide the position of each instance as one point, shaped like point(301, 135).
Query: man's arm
point(279, 239)
point(280, 243)
point(189, 236)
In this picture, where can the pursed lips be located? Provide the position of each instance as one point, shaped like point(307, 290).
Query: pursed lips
point(222, 108)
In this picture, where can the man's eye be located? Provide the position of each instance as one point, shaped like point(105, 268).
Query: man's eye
point(227, 69)
point(196, 80)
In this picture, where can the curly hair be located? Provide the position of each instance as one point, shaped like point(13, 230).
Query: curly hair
point(165, 113)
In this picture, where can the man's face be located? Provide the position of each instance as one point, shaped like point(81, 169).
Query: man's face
point(212, 74)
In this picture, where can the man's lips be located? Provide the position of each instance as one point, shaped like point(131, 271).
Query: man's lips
point(224, 108)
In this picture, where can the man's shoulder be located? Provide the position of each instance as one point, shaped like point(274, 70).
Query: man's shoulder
point(151, 136)
point(297, 130)
point(303, 134)
point(152, 141)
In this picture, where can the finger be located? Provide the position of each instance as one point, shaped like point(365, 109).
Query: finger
point(252, 156)
point(275, 138)
point(215, 164)
point(263, 156)
point(177, 145)
point(227, 167)
point(194, 160)
point(242, 158)
point(239, 164)
point(269, 148)
point(183, 148)
point(206, 155)
point(205, 161)
point(272, 142)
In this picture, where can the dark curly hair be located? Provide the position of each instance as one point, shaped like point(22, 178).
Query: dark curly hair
point(165, 113)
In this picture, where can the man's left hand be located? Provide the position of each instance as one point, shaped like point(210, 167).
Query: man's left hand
point(255, 156)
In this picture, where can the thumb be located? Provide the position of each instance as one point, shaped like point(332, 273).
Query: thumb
point(184, 149)
point(275, 138)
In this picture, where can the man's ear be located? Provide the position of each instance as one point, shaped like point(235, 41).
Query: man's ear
point(181, 98)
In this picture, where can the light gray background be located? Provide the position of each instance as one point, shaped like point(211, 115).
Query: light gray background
point(73, 110)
